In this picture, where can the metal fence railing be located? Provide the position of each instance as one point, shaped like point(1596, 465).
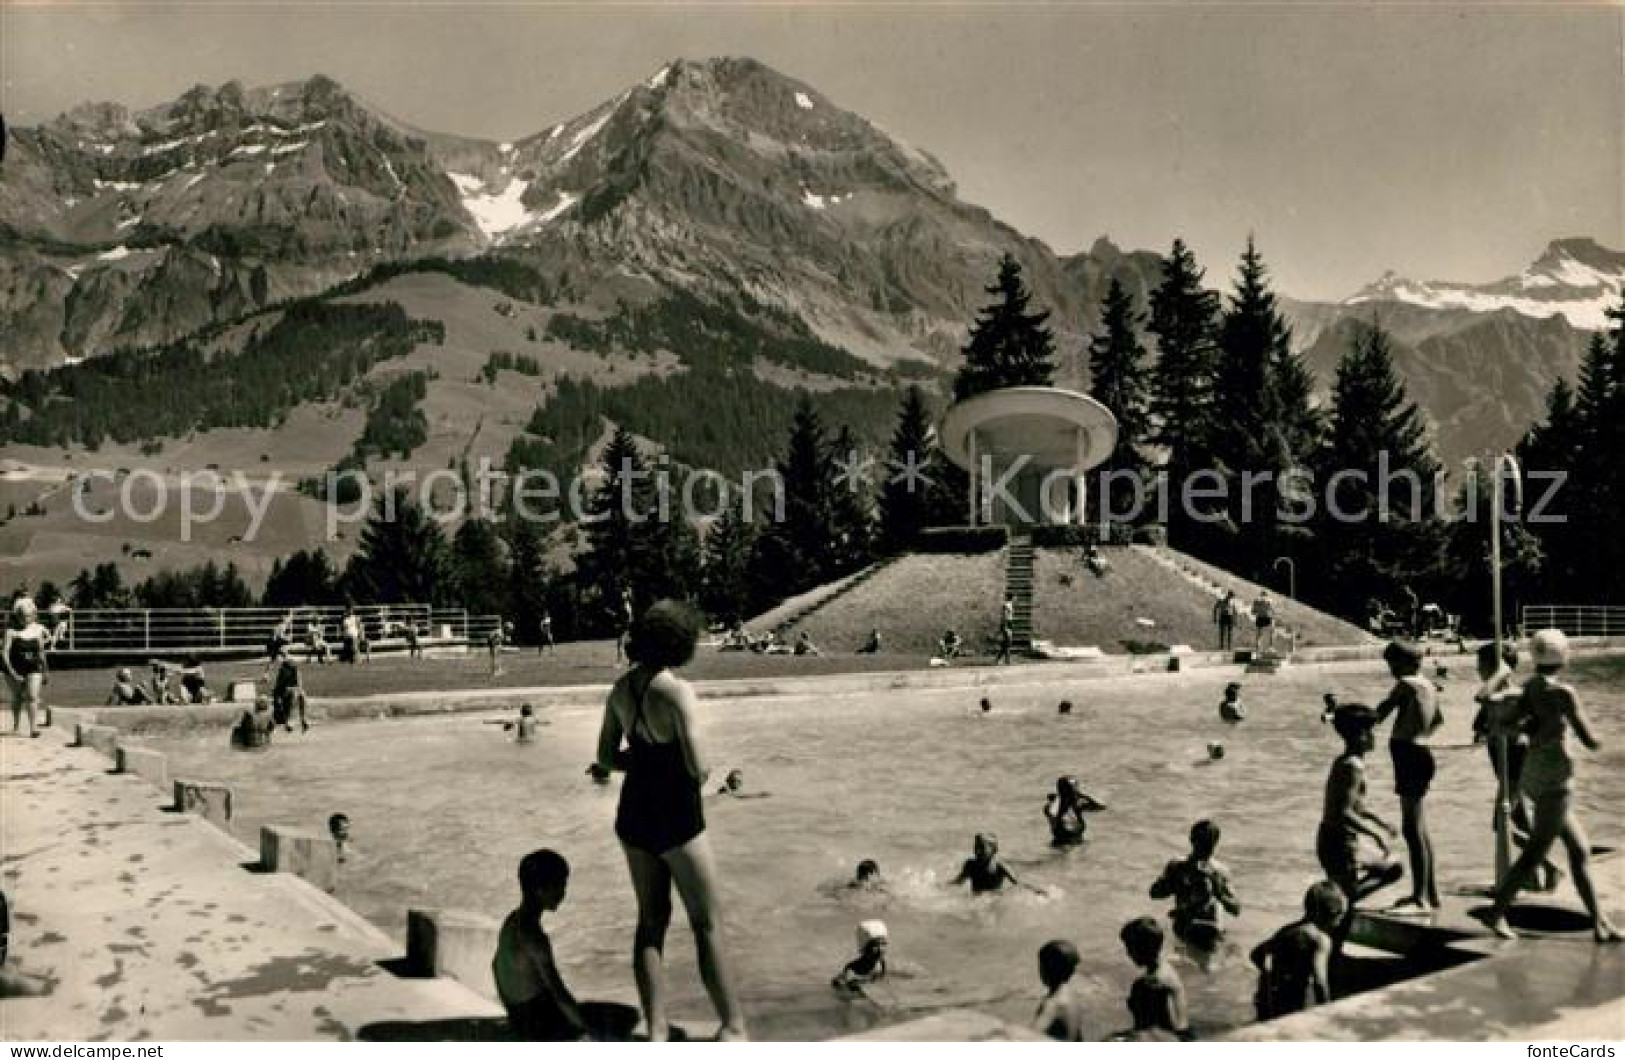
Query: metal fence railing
point(247, 628)
point(1577, 620)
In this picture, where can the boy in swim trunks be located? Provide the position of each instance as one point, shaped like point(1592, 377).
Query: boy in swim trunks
point(1157, 998)
point(1414, 703)
point(1344, 817)
point(540, 1007)
point(1060, 1015)
point(1294, 964)
point(1200, 888)
point(984, 871)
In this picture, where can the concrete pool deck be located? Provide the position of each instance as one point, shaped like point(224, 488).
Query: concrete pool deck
point(143, 924)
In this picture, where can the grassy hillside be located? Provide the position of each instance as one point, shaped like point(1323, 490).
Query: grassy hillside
point(913, 601)
point(1105, 611)
point(1315, 627)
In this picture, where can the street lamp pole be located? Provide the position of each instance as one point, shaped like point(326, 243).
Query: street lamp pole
point(1291, 575)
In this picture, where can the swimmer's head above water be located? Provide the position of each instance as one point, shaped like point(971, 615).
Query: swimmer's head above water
point(985, 846)
point(986, 705)
point(735, 782)
point(868, 872)
point(1065, 707)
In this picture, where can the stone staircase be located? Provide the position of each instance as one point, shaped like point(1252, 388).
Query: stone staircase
point(1018, 582)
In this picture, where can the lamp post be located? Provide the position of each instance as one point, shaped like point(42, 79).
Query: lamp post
point(1291, 575)
point(1502, 466)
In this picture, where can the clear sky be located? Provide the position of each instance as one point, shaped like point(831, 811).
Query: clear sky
point(1442, 141)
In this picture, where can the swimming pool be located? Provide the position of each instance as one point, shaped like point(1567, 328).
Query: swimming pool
point(443, 808)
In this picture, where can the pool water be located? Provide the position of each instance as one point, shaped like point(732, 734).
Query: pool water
point(442, 810)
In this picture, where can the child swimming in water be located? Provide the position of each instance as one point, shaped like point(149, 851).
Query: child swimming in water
point(986, 704)
point(1199, 884)
point(1065, 809)
point(1060, 1014)
point(984, 871)
point(869, 965)
point(867, 877)
point(1156, 1001)
point(1230, 708)
point(1294, 963)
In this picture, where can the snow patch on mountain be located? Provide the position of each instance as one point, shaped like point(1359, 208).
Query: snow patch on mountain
point(582, 138)
point(566, 200)
point(496, 213)
point(1577, 280)
point(803, 101)
point(659, 77)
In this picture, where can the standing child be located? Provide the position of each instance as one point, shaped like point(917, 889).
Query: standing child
point(288, 696)
point(493, 645)
point(1156, 1001)
point(1230, 708)
point(1552, 710)
point(1060, 1014)
point(1200, 887)
point(1496, 725)
point(1414, 702)
point(1294, 964)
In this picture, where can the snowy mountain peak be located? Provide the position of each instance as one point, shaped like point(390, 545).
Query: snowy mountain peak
point(1576, 278)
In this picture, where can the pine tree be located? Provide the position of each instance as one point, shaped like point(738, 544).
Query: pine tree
point(1183, 319)
point(400, 558)
point(906, 501)
point(305, 579)
point(479, 567)
point(1552, 447)
point(728, 546)
point(1267, 427)
point(1380, 536)
point(796, 553)
point(617, 516)
point(669, 564)
point(1119, 380)
point(528, 581)
point(851, 512)
point(1008, 346)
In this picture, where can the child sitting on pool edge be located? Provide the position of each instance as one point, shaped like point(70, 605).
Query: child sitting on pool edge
point(1060, 1014)
point(540, 1007)
point(1156, 1001)
point(1200, 888)
point(1294, 963)
point(870, 964)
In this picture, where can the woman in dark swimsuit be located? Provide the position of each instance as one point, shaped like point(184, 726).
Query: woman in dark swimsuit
point(23, 654)
point(660, 821)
